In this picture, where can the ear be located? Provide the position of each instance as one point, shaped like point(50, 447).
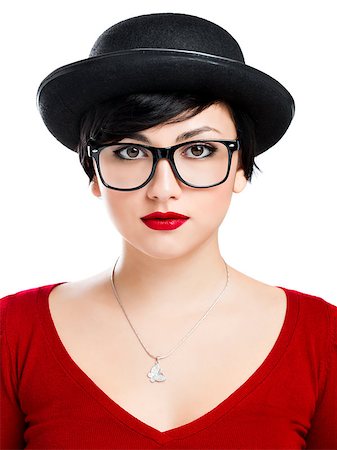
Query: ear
point(240, 181)
point(94, 186)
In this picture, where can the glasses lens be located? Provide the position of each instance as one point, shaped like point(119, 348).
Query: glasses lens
point(199, 164)
point(125, 166)
point(202, 164)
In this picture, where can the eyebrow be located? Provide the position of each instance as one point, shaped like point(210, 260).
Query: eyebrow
point(186, 135)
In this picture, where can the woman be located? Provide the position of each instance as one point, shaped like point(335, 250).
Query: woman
point(171, 347)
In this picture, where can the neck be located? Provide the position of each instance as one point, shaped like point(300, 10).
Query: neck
point(182, 284)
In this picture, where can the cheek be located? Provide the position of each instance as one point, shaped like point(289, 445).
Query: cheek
point(118, 207)
point(213, 203)
point(212, 206)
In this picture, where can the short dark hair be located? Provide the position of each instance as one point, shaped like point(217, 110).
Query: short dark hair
point(115, 119)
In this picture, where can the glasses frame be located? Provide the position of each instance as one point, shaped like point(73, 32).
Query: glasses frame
point(162, 153)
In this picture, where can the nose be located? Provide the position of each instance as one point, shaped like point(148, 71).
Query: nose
point(164, 183)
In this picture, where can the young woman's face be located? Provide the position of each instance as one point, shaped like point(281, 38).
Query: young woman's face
point(206, 208)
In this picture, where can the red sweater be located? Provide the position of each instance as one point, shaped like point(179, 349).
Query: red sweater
point(48, 402)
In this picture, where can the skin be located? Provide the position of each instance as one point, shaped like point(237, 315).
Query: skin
point(182, 270)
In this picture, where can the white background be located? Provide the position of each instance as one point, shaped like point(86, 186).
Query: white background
point(281, 230)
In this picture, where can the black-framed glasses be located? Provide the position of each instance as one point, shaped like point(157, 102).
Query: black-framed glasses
point(129, 166)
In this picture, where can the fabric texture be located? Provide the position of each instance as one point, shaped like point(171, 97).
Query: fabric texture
point(48, 402)
point(163, 52)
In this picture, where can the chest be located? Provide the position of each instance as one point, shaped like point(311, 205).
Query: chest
point(211, 364)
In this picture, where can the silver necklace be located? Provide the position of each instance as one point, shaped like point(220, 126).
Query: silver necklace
point(155, 373)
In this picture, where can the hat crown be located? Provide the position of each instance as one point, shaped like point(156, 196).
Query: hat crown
point(168, 31)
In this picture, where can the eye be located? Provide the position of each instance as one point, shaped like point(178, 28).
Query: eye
point(198, 150)
point(130, 152)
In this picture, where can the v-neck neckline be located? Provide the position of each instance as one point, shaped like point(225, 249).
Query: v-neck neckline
point(195, 425)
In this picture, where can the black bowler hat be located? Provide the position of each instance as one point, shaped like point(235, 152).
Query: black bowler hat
point(163, 52)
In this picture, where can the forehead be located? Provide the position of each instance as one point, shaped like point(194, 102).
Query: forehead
point(215, 121)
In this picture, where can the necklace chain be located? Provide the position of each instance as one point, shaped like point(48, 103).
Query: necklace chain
point(155, 372)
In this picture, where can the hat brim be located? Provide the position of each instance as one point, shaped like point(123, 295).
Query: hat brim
point(68, 92)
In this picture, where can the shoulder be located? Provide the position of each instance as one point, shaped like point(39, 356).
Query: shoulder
point(312, 305)
point(17, 309)
point(21, 298)
point(317, 319)
point(23, 302)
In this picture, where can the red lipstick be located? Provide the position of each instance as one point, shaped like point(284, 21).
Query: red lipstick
point(164, 221)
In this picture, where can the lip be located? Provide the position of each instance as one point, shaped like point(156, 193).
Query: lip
point(164, 215)
point(164, 224)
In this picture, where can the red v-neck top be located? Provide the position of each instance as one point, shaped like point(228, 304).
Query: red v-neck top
point(48, 402)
